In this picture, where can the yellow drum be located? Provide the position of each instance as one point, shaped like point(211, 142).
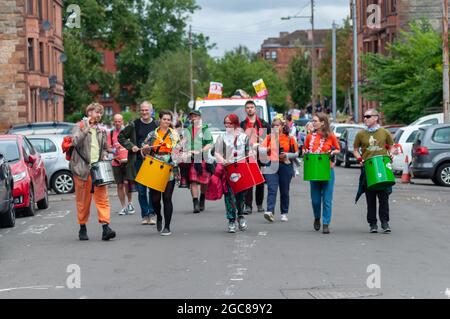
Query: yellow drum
point(154, 173)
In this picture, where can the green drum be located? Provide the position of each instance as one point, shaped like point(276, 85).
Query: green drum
point(316, 167)
point(379, 172)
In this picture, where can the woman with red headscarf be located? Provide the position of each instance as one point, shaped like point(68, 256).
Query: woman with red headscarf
point(230, 147)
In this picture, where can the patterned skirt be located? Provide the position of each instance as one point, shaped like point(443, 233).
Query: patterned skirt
point(195, 177)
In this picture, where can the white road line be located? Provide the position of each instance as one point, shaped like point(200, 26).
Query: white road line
point(30, 287)
point(36, 229)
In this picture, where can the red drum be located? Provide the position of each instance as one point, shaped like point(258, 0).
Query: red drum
point(244, 174)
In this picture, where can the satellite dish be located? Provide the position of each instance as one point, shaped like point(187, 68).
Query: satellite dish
point(46, 25)
point(62, 57)
point(52, 80)
point(44, 95)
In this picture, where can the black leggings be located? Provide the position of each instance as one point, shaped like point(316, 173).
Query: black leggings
point(167, 200)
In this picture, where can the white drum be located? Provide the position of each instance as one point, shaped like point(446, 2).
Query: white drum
point(102, 173)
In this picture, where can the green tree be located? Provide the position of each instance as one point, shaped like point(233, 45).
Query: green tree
point(343, 64)
point(81, 69)
point(299, 80)
point(239, 68)
point(141, 30)
point(168, 84)
point(408, 80)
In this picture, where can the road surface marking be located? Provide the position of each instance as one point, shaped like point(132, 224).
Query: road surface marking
point(36, 229)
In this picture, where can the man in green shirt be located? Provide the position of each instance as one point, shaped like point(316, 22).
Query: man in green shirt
point(374, 140)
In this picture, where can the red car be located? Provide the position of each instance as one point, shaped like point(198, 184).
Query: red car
point(30, 181)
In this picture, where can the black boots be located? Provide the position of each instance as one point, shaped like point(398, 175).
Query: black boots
point(82, 234)
point(202, 202)
point(108, 233)
point(196, 206)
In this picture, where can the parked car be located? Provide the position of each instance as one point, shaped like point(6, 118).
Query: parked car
point(404, 139)
point(339, 128)
point(27, 166)
point(346, 141)
point(56, 165)
point(437, 118)
point(7, 211)
point(63, 128)
point(431, 154)
point(393, 128)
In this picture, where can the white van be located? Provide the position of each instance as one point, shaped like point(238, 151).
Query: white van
point(214, 111)
point(431, 119)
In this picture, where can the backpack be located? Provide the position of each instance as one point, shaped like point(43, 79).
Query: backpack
point(67, 146)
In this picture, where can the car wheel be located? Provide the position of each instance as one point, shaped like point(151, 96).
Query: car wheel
point(62, 183)
point(9, 219)
point(337, 161)
point(346, 161)
point(43, 203)
point(443, 175)
point(31, 209)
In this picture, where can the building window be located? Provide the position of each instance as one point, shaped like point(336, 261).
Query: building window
point(267, 55)
point(108, 111)
point(117, 57)
point(40, 9)
point(30, 54)
point(273, 55)
point(30, 10)
point(41, 57)
point(102, 58)
point(393, 6)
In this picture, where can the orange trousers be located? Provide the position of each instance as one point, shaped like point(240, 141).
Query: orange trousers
point(84, 197)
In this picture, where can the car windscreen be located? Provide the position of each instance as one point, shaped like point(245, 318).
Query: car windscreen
point(398, 135)
point(10, 150)
point(351, 135)
point(214, 116)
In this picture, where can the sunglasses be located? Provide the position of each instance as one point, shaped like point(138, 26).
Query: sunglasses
point(368, 116)
point(227, 123)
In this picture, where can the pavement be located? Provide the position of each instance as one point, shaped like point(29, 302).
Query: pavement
point(42, 257)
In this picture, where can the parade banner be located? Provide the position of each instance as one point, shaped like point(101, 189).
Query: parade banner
point(215, 90)
point(260, 88)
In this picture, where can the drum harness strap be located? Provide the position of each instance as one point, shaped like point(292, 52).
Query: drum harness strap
point(99, 158)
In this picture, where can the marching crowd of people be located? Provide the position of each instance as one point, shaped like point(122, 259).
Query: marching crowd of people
point(250, 150)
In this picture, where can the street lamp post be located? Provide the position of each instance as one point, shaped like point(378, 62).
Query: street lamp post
point(355, 63)
point(313, 50)
point(334, 71)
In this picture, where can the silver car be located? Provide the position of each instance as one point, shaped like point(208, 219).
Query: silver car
point(56, 165)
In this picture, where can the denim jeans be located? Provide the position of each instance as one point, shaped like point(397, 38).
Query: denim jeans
point(322, 193)
point(145, 194)
point(282, 179)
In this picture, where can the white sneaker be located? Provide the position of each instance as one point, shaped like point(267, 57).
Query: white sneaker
point(130, 209)
point(123, 211)
point(284, 218)
point(269, 216)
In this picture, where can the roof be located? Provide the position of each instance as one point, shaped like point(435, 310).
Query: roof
point(298, 38)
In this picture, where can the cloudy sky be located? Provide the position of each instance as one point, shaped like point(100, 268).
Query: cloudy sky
point(229, 23)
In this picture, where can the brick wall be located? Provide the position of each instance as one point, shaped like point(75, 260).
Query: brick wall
point(12, 63)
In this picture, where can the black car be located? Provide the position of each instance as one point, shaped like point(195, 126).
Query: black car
point(62, 128)
point(346, 141)
point(7, 212)
point(431, 154)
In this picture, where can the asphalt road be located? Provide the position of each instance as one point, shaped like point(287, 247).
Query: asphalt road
point(42, 257)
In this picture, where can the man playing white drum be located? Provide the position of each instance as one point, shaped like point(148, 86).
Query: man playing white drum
point(373, 141)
